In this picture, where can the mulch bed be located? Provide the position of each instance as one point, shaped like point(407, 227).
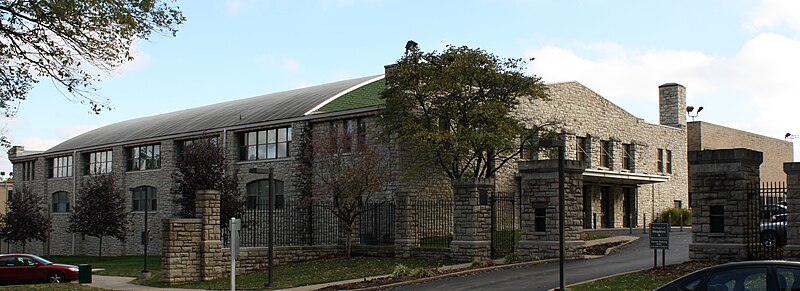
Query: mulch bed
point(599, 250)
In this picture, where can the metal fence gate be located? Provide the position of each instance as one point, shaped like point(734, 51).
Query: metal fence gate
point(766, 215)
point(505, 232)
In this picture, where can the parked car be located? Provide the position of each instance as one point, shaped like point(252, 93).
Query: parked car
point(24, 268)
point(769, 210)
point(773, 233)
point(751, 275)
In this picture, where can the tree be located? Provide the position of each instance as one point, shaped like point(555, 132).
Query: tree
point(100, 210)
point(26, 219)
point(58, 39)
point(348, 172)
point(457, 107)
point(202, 166)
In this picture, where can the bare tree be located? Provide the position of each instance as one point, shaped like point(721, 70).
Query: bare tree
point(349, 175)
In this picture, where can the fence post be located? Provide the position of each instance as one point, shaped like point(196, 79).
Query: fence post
point(405, 233)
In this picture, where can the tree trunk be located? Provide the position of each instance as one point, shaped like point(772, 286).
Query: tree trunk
point(101, 246)
point(348, 243)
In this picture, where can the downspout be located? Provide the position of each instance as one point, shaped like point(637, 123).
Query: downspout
point(74, 189)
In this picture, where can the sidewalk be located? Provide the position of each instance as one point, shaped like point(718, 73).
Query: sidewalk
point(122, 283)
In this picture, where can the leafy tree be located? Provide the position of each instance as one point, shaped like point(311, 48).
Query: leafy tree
point(58, 39)
point(202, 166)
point(27, 218)
point(348, 172)
point(457, 108)
point(101, 210)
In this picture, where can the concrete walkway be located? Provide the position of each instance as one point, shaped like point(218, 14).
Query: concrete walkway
point(122, 283)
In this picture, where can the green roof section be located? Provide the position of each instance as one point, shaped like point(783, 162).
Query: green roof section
point(365, 96)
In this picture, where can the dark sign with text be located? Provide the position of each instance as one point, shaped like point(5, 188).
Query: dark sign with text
point(659, 236)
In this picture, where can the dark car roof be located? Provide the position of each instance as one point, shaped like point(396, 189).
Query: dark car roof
point(763, 263)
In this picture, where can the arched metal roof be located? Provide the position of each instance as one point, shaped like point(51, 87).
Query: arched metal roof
point(275, 106)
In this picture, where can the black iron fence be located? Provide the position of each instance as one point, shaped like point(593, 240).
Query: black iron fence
point(505, 230)
point(434, 223)
point(766, 205)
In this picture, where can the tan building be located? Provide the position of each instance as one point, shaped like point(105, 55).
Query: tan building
point(708, 136)
point(6, 191)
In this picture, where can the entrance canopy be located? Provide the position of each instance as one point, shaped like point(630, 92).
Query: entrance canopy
point(621, 178)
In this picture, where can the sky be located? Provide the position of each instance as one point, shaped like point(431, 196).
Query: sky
point(737, 58)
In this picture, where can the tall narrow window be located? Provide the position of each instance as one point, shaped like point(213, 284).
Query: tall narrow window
point(60, 167)
point(660, 158)
point(627, 156)
point(717, 218)
point(265, 144)
point(581, 153)
point(347, 135)
point(97, 163)
point(605, 154)
point(540, 219)
point(60, 202)
point(258, 191)
point(142, 197)
point(28, 170)
point(362, 131)
point(669, 161)
point(147, 157)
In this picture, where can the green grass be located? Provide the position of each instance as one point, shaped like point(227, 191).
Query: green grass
point(126, 266)
point(309, 273)
point(633, 281)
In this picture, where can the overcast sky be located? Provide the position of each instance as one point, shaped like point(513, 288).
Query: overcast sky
point(738, 59)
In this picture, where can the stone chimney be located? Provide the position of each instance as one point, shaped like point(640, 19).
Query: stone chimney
point(13, 151)
point(672, 105)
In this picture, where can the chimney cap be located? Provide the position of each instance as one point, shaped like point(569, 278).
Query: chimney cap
point(671, 84)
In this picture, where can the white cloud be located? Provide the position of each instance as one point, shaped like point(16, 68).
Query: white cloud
point(776, 13)
point(290, 64)
point(233, 6)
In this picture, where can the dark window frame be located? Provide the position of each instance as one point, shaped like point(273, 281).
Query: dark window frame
point(540, 219)
point(29, 170)
point(669, 161)
point(60, 202)
point(60, 167)
point(258, 200)
point(717, 218)
point(265, 144)
point(99, 162)
point(143, 157)
point(628, 158)
point(138, 194)
point(660, 160)
point(606, 154)
point(581, 150)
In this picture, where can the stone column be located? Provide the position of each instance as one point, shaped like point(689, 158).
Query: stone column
point(719, 183)
point(208, 210)
point(792, 249)
point(406, 226)
point(540, 191)
point(472, 219)
point(181, 248)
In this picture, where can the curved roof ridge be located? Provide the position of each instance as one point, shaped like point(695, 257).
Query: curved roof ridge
point(323, 103)
point(274, 106)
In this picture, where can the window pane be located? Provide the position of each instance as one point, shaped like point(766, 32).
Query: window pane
point(282, 150)
point(281, 135)
point(251, 153)
point(251, 138)
point(289, 133)
point(271, 136)
point(271, 151)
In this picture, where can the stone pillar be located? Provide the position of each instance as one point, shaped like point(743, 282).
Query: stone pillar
point(540, 191)
point(406, 226)
point(672, 105)
point(720, 179)
point(181, 250)
point(208, 209)
point(792, 249)
point(472, 219)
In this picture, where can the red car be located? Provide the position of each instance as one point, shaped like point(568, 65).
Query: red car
point(18, 268)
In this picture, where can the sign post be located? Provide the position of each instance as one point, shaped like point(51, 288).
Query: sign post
point(659, 240)
point(235, 225)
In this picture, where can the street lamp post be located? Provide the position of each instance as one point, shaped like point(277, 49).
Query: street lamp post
point(550, 143)
point(271, 210)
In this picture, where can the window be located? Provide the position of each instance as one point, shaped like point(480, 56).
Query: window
point(61, 167)
point(141, 195)
point(660, 158)
point(184, 144)
point(738, 279)
point(605, 154)
point(9, 195)
point(146, 157)
point(347, 136)
point(265, 144)
point(669, 161)
point(362, 131)
point(28, 170)
point(257, 192)
point(540, 219)
point(627, 156)
point(678, 204)
point(582, 151)
point(98, 162)
point(717, 218)
point(483, 197)
point(60, 202)
point(788, 278)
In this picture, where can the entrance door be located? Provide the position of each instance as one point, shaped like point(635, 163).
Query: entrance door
point(607, 207)
point(628, 206)
point(588, 223)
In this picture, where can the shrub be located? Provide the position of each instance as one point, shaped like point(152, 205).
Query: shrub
point(676, 215)
point(401, 271)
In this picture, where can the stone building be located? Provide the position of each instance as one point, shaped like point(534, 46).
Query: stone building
point(708, 136)
point(634, 168)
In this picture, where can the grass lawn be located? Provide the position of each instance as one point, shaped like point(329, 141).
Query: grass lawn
point(644, 280)
point(595, 235)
